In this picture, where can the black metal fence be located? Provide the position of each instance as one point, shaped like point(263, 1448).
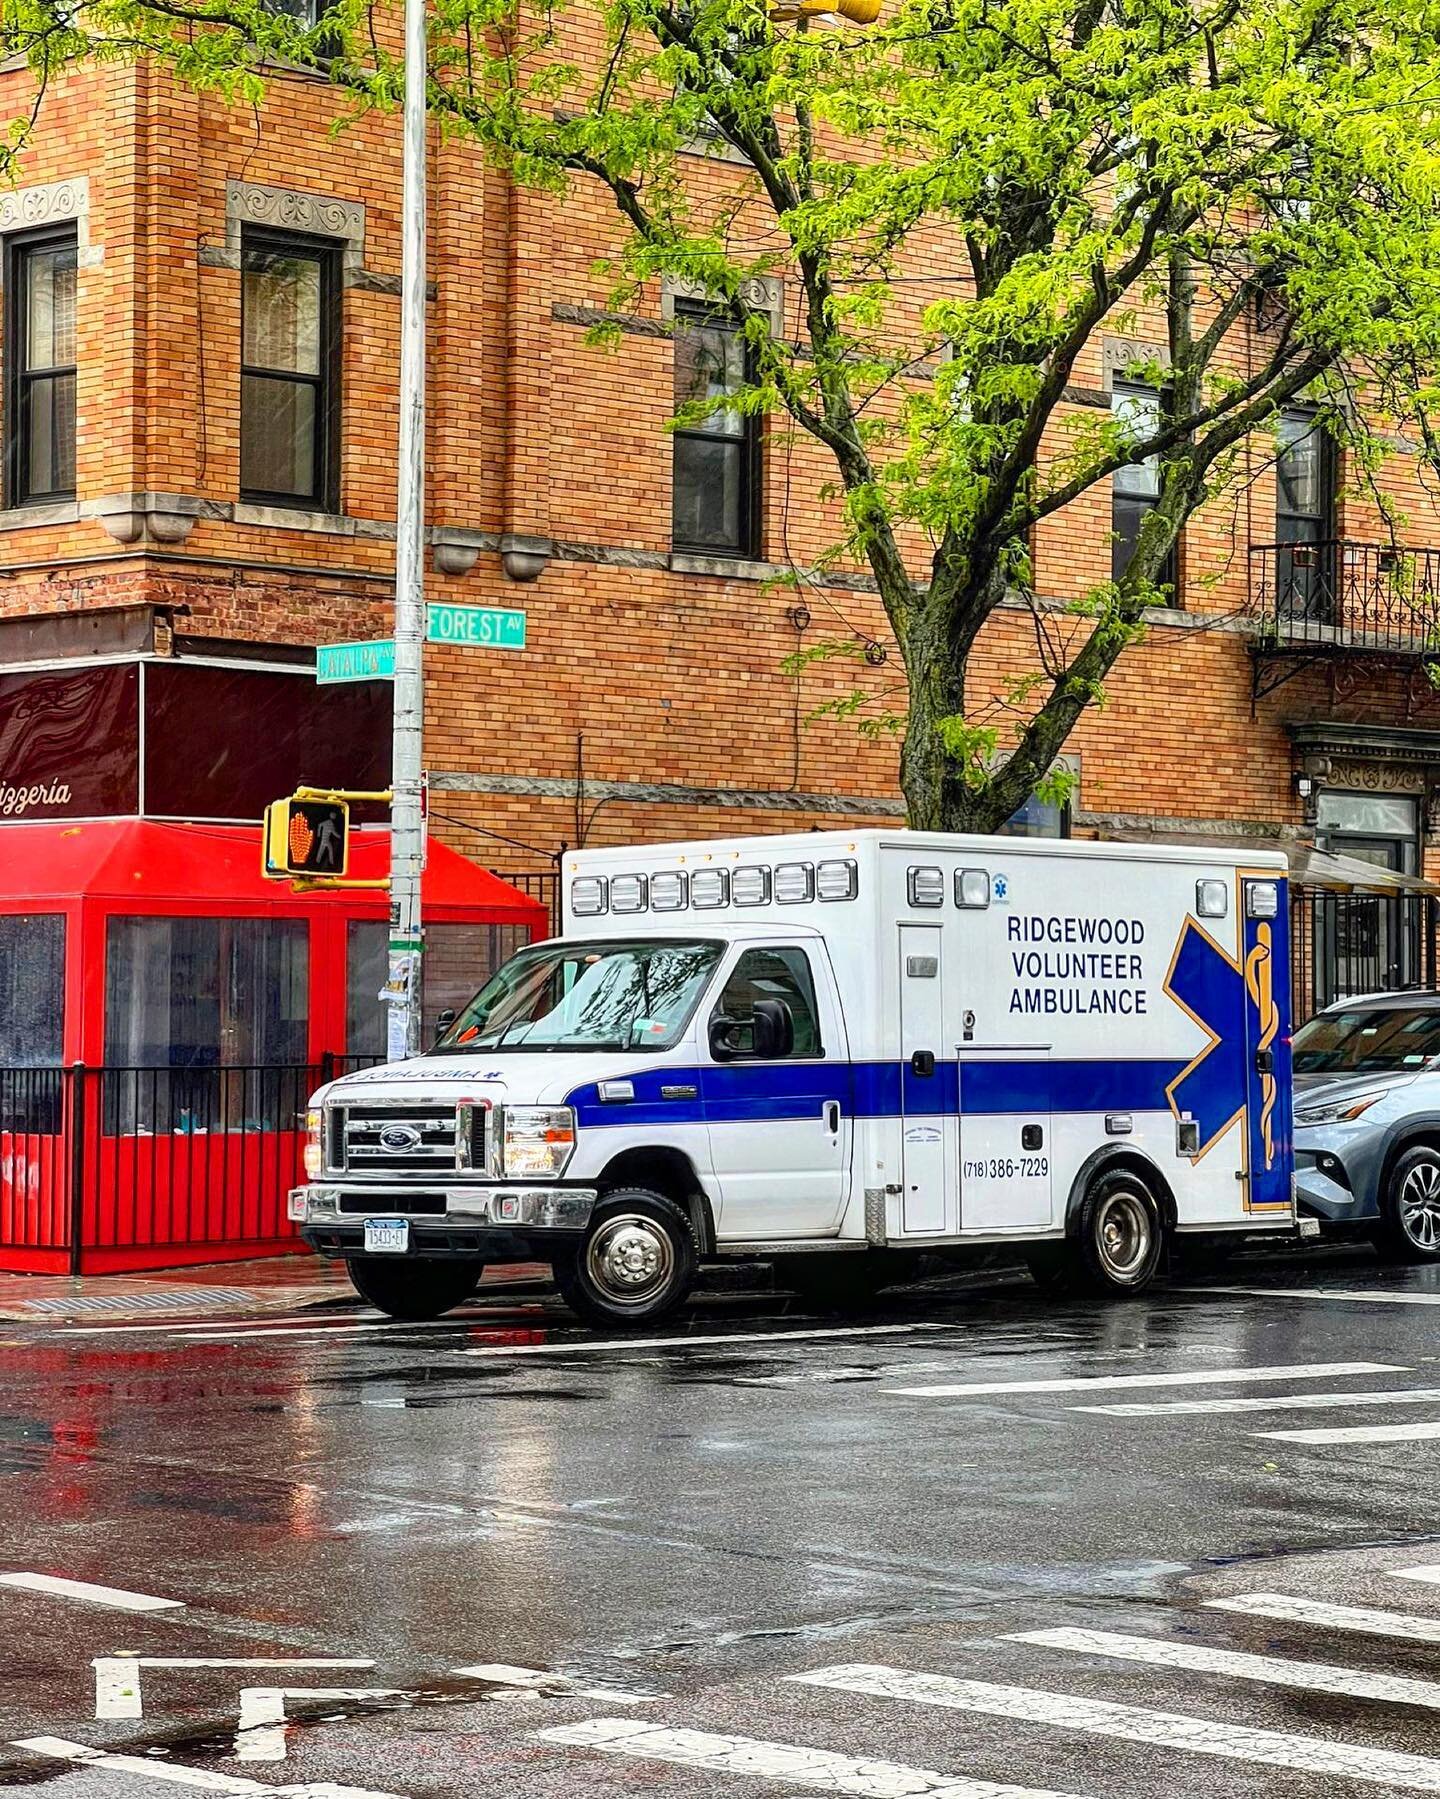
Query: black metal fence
point(1342, 944)
point(107, 1168)
point(542, 885)
point(1371, 596)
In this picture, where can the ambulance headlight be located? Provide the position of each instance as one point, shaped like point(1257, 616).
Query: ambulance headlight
point(1212, 899)
point(538, 1142)
point(972, 888)
point(314, 1142)
point(1262, 899)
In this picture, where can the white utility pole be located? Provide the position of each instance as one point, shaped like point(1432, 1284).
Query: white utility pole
point(407, 828)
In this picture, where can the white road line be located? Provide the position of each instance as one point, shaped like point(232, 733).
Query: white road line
point(149, 1767)
point(1186, 1377)
point(1137, 1724)
point(1264, 1402)
point(1314, 1677)
point(539, 1680)
point(1378, 1299)
point(1355, 1433)
point(788, 1764)
point(736, 1339)
point(1430, 1573)
point(1362, 1619)
point(117, 1677)
point(260, 1736)
point(90, 1593)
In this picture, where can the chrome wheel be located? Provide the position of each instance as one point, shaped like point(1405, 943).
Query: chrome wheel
point(1123, 1235)
point(1420, 1205)
point(630, 1259)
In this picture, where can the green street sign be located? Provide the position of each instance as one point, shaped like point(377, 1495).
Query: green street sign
point(484, 627)
point(373, 661)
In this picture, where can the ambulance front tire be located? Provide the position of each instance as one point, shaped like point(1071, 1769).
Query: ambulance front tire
point(414, 1287)
point(635, 1264)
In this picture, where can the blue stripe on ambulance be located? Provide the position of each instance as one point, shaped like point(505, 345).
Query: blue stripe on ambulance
point(766, 1092)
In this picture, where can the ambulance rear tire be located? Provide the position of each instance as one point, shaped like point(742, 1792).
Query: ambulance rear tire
point(635, 1264)
point(1119, 1238)
point(414, 1287)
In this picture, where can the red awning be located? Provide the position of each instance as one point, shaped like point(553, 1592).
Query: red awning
point(148, 865)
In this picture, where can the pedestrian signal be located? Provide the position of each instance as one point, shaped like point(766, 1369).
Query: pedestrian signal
point(307, 837)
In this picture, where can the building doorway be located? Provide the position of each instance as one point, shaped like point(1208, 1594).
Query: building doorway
point(1368, 942)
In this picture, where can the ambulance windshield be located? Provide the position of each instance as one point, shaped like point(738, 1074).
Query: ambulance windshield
point(635, 995)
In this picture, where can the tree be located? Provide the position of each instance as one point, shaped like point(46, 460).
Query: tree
point(1052, 167)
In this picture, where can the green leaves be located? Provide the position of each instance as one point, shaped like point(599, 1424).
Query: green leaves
point(962, 202)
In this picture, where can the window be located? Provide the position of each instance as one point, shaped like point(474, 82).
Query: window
point(782, 974)
point(40, 367)
point(290, 372)
point(1305, 562)
point(1135, 489)
point(625, 995)
point(716, 461)
point(32, 989)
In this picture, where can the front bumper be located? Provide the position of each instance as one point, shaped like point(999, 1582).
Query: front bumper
point(1337, 1171)
point(322, 1205)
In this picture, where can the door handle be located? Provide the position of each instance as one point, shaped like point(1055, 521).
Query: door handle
point(1265, 1061)
point(830, 1112)
point(923, 1062)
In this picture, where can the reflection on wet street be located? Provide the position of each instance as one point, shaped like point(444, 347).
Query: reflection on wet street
point(976, 1542)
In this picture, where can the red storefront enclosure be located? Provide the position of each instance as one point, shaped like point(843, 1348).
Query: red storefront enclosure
point(123, 1149)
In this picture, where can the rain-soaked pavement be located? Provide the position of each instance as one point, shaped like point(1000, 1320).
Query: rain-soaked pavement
point(977, 1544)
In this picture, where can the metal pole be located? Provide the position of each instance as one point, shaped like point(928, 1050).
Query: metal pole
point(407, 757)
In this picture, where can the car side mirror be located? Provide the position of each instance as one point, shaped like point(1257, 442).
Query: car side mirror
point(444, 1022)
point(774, 1029)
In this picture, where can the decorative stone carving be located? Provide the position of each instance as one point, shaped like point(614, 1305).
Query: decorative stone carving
point(127, 517)
point(1376, 777)
point(525, 558)
point(52, 203)
point(762, 293)
point(1118, 355)
point(292, 209)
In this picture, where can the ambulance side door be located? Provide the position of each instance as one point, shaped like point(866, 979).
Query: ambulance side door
point(781, 1126)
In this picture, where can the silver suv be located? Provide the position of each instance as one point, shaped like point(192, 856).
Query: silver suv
point(1367, 1120)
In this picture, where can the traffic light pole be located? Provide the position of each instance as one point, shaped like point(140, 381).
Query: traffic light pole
point(407, 826)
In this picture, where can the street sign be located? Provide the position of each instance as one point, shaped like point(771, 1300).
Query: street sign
point(486, 627)
point(374, 661)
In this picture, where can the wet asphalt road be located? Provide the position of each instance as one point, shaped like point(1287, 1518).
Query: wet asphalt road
point(742, 1564)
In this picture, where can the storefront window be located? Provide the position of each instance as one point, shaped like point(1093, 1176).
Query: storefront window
point(32, 989)
point(190, 995)
point(459, 959)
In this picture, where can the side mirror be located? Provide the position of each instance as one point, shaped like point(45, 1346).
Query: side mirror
point(774, 1029)
point(444, 1022)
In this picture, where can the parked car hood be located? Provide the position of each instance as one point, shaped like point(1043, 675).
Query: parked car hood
point(1328, 1089)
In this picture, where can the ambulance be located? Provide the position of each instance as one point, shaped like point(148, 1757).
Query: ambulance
point(836, 1052)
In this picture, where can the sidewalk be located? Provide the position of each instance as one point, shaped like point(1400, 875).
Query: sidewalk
point(224, 1289)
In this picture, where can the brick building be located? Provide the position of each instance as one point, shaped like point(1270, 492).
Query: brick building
point(200, 355)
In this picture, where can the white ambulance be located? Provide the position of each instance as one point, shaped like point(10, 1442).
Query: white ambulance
point(833, 1051)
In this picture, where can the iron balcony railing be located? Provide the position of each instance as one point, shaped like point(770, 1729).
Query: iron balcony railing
point(1346, 595)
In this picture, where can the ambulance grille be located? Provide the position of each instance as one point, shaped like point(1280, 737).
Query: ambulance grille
point(423, 1139)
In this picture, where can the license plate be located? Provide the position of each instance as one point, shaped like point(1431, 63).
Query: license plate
point(387, 1236)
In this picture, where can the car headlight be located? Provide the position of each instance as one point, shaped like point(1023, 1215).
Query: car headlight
point(539, 1141)
point(1339, 1111)
point(314, 1142)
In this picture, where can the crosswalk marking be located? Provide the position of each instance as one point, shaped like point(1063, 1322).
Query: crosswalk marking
point(788, 1764)
point(1379, 1299)
point(1359, 1618)
point(1430, 1573)
point(89, 1592)
point(1185, 1377)
point(1357, 1433)
point(540, 1680)
point(1136, 1724)
point(1262, 1402)
point(210, 1780)
point(1315, 1677)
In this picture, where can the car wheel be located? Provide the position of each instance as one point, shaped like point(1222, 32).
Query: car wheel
point(635, 1264)
point(1410, 1212)
point(1119, 1239)
point(415, 1286)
